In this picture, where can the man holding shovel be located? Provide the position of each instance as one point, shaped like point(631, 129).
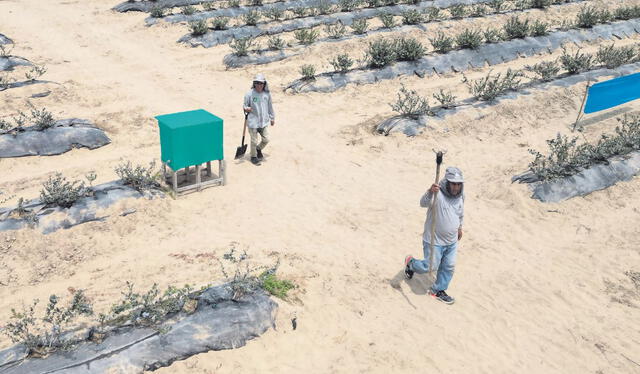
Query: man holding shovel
point(259, 115)
point(447, 209)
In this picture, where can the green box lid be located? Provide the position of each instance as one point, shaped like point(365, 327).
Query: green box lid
point(190, 138)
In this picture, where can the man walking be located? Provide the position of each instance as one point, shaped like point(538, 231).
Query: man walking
point(259, 110)
point(449, 212)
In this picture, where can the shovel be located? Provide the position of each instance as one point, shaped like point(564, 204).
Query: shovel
point(242, 149)
point(432, 210)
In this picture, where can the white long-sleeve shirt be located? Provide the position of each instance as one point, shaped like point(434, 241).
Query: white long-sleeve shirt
point(449, 212)
point(261, 106)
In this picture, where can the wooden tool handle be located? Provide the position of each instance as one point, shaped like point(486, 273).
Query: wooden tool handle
point(432, 211)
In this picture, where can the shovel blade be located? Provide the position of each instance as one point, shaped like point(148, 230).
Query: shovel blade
point(240, 151)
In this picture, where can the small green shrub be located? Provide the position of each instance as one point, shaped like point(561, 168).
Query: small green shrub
point(492, 35)
point(275, 43)
point(442, 43)
point(497, 5)
point(566, 25)
point(341, 63)
point(220, 23)
point(539, 28)
point(157, 12)
point(380, 53)
point(198, 27)
point(42, 119)
point(387, 20)
point(256, 2)
point(57, 191)
point(188, 10)
point(521, 5)
point(252, 17)
point(432, 13)
point(359, 26)
point(45, 334)
point(139, 177)
point(348, 5)
point(446, 99)
point(5, 50)
point(539, 4)
point(469, 39)
point(515, 29)
point(545, 71)
point(458, 11)
point(335, 31)
point(233, 3)
point(273, 13)
point(324, 7)
point(612, 57)
point(373, 3)
point(148, 308)
point(275, 286)
point(410, 104)
point(308, 72)
point(626, 12)
point(301, 11)
point(492, 86)
point(411, 17)
point(241, 46)
point(208, 6)
point(587, 17)
point(577, 62)
point(478, 10)
point(306, 36)
point(605, 16)
point(408, 49)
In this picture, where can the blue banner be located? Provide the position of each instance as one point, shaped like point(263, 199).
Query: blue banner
point(607, 94)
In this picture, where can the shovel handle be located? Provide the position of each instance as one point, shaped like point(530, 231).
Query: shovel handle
point(244, 129)
point(432, 211)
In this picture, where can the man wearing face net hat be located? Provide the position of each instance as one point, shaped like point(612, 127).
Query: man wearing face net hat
point(449, 213)
point(259, 109)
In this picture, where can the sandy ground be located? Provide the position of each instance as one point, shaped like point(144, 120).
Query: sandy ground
point(540, 288)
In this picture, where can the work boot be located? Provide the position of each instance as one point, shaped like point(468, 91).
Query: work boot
point(408, 273)
point(442, 296)
point(260, 157)
point(255, 161)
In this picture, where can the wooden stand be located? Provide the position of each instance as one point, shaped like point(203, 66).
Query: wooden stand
point(200, 182)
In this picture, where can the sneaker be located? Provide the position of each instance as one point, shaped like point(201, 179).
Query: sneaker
point(255, 161)
point(260, 157)
point(442, 296)
point(408, 273)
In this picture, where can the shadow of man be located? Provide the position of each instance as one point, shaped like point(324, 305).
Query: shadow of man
point(419, 284)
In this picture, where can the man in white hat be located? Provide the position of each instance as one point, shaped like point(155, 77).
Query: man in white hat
point(449, 213)
point(258, 106)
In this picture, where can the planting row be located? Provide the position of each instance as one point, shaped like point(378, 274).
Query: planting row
point(382, 54)
point(414, 109)
point(40, 134)
point(572, 168)
point(144, 330)
point(147, 5)
point(414, 14)
point(310, 8)
point(472, 38)
point(77, 203)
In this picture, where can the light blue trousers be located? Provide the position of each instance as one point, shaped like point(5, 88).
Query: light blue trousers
point(444, 260)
